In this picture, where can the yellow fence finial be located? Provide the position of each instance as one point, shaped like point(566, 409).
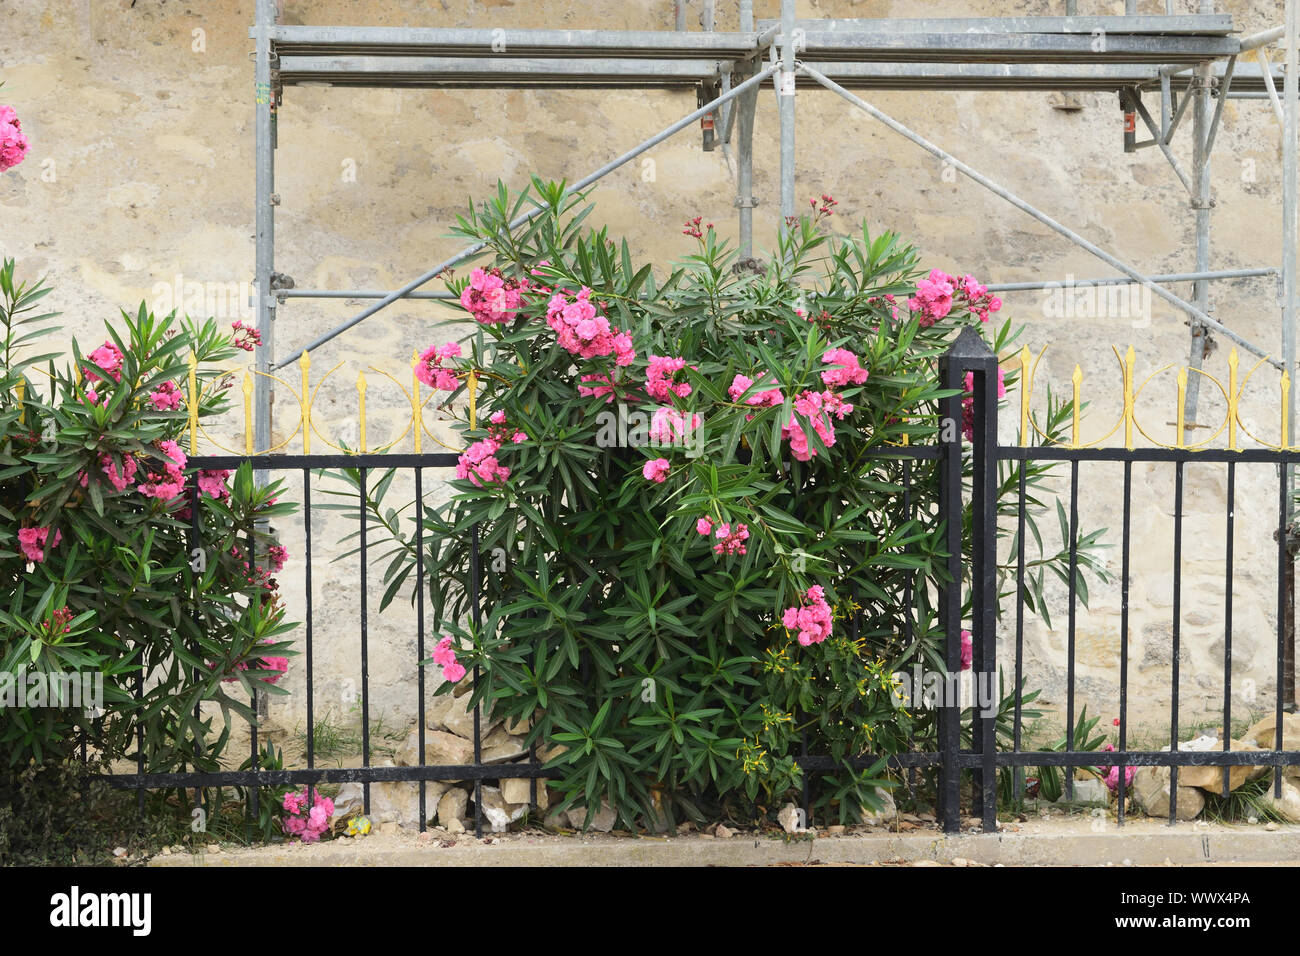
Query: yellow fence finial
point(192, 379)
point(22, 393)
point(1182, 406)
point(304, 366)
point(473, 399)
point(361, 396)
point(1025, 356)
point(416, 417)
point(1077, 379)
point(1286, 390)
point(1232, 399)
point(1130, 359)
point(248, 413)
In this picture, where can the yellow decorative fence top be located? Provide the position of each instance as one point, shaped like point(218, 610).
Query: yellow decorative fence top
point(417, 422)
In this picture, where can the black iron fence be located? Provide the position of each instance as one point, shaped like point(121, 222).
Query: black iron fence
point(983, 759)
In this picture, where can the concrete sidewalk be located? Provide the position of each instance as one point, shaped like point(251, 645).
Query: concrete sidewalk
point(1039, 842)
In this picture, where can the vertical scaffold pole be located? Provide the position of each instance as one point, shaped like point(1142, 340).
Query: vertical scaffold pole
point(747, 104)
point(785, 88)
point(265, 226)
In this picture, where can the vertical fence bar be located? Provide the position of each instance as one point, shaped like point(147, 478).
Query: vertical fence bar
point(1177, 637)
point(950, 512)
point(311, 713)
point(475, 588)
point(198, 556)
point(254, 793)
point(365, 649)
point(984, 578)
point(1126, 545)
point(909, 629)
point(1283, 503)
point(1074, 571)
point(1017, 726)
point(419, 628)
point(1227, 622)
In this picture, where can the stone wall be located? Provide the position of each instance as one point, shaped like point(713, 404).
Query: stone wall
point(140, 116)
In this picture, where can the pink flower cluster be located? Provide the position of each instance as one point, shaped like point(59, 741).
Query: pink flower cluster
point(847, 370)
point(33, 542)
point(729, 539)
point(968, 403)
point(693, 227)
point(583, 332)
point(977, 296)
point(108, 357)
point(817, 407)
point(430, 370)
point(246, 336)
point(668, 426)
point(277, 554)
point(656, 470)
point(13, 141)
point(166, 397)
point(309, 827)
point(479, 463)
point(812, 619)
point(491, 298)
point(660, 375)
point(118, 479)
point(1112, 775)
point(212, 482)
point(893, 307)
point(444, 655)
point(935, 296)
point(967, 650)
point(604, 386)
point(171, 482)
point(768, 398)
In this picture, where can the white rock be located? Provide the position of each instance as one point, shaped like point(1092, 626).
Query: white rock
point(519, 790)
point(1289, 805)
point(498, 811)
point(1151, 791)
point(791, 819)
point(723, 833)
point(1092, 793)
point(440, 749)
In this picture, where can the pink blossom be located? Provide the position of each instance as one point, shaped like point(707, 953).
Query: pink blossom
point(731, 540)
point(33, 542)
point(171, 482)
point(659, 377)
point(656, 470)
point(933, 297)
point(108, 357)
point(582, 331)
point(443, 654)
point(118, 479)
point(479, 463)
point(815, 406)
point(277, 554)
point(767, 398)
point(703, 526)
point(1112, 774)
point(811, 619)
point(847, 370)
point(671, 427)
point(166, 397)
point(430, 369)
point(212, 482)
point(967, 650)
point(453, 672)
point(968, 403)
point(491, 298)
point(13, 141)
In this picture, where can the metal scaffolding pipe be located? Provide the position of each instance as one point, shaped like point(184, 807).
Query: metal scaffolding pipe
point(356, 294)
point(1201, 204)
point(785, 98)
point(1125, 280)
point(264, 224)
point(518, 221)
point(1042, 217)
point(1257, 40)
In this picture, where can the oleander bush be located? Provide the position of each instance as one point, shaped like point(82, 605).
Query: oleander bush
point(693, 557)
point(117, 563)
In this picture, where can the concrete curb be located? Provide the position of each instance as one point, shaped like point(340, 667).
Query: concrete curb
point(1149, 848)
